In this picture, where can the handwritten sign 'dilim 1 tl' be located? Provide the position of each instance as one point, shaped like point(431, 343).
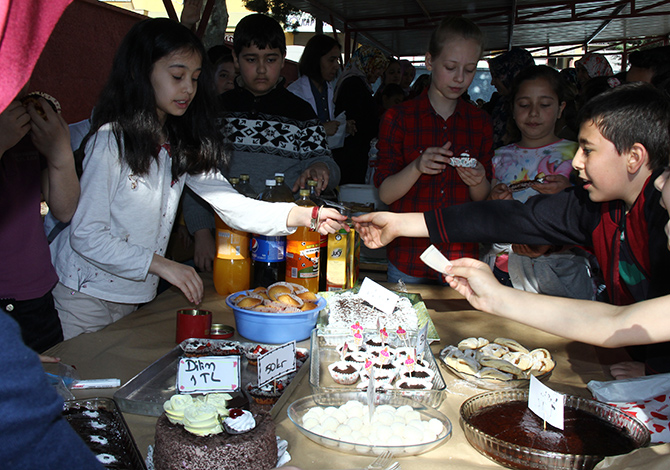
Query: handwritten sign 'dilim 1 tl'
point(276, 363)
point(208, 374)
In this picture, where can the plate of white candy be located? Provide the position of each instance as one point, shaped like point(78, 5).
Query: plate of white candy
point(342, 421)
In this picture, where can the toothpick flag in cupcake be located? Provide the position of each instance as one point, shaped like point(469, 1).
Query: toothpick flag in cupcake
point(358, 339)
point(383, 334)
point(345, 350)
point(402, 334)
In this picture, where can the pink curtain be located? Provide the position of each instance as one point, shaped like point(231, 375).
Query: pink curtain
point(25, 27)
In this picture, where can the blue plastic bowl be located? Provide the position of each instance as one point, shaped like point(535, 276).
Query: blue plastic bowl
point(274, 328)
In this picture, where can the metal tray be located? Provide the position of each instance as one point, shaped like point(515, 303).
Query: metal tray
point(324, 352)
point(119, 439)
point(415, 299)
point(145, 393)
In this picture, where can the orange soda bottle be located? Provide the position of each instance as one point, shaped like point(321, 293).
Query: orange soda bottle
point(232, 265)
point(302, 252)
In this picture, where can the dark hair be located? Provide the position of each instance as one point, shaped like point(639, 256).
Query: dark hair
point(260, 30)
point(128, 102)
point(633, 113)
point(392, 60)
point(392, 89)
point(539, 71)
point(531, 73)
point(218, 52)
point(310, 60)
point(450, 27)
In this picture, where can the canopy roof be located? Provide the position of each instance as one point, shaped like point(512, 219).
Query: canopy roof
point(403, 27)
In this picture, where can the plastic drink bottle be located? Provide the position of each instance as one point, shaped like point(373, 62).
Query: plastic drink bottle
point(244, 187)
point(232, 266)
point(303, 252)
point(284, 193)
point(323, 253)
point(268, 253)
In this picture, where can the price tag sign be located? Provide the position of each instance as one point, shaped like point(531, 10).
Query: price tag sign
point(208, 374)
point(276, 363)
point(422, 341)
point(546, 403)
point(378, 296)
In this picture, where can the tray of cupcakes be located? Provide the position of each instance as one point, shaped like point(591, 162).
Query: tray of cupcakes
point(345, 362)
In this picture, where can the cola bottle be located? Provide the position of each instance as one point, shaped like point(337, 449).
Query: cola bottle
point(268, 253)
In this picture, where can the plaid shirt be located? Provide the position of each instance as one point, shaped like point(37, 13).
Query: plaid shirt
point(406, 130)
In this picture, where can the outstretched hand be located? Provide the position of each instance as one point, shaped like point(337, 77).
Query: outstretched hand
point(474, 281)
point(376, 228)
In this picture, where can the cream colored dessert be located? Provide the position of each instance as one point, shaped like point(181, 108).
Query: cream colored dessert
point(389, 426)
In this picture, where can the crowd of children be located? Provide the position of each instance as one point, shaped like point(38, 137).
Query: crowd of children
point(158, 128)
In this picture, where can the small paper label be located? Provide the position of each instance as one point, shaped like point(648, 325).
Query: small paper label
point(435, 259)
point(546, 403)
point(422, 341)
point(378, 296)
point(276, 363)
point(208, 374)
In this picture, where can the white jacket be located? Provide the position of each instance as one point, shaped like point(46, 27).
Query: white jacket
point(123, 219)
point(302, 88)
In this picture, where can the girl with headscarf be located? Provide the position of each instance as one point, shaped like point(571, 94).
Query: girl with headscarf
point(353, 95)
point(592, 65)
point(503, 70)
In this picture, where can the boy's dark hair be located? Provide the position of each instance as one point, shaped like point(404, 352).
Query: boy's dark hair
point(128, 101)
point(630, 114)
point(310, 61)
point(454, 26)
point(532, 73)
point(259, 30)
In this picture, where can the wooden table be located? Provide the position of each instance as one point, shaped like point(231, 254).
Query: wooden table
point(128, 346)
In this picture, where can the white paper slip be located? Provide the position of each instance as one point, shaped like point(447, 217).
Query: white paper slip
point(378, 296)
point(436, 260)
point(546, 403)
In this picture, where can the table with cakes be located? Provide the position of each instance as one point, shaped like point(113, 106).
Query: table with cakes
point(474, 363)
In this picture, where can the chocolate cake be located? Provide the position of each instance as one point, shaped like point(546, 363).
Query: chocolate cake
point(104, 433)
point(584, 433)
point(176, 448)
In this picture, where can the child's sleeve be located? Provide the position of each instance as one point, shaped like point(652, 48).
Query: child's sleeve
point(93, 233)
point(238, 211)
point(566, 218)
point(391, 147)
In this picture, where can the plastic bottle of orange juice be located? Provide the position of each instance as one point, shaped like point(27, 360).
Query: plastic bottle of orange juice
point(302, 252)
point(232, 265)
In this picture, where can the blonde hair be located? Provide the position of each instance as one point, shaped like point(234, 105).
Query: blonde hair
point(454, 26)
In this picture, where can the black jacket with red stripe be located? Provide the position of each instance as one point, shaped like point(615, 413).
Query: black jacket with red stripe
point(571, 218)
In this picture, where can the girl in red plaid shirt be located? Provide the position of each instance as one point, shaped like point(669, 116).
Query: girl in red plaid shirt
point(415, 171)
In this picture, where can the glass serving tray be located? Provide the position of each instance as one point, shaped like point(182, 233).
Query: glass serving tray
point(324, 352)
point(145, 393)
point(417, 303)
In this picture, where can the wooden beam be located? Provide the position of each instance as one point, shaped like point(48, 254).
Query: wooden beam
point(169, 8)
